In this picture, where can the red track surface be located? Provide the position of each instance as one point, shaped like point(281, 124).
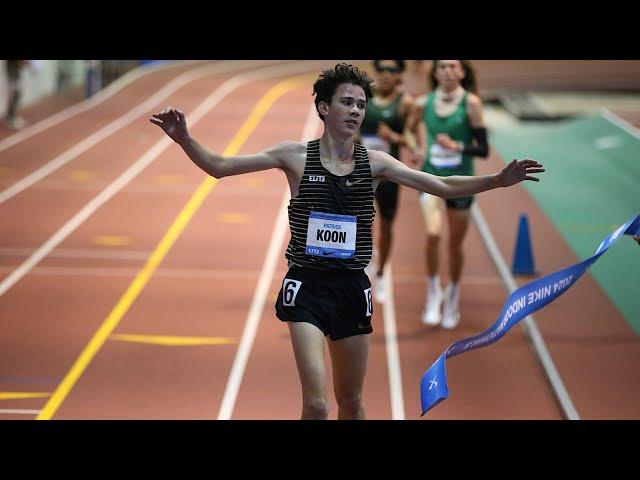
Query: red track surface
point(205, 285)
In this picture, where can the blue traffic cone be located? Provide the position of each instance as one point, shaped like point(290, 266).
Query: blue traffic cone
point(523, 254)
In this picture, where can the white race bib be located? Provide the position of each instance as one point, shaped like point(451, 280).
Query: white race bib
point(331, 236)
point(373, 142)
point(441, 157)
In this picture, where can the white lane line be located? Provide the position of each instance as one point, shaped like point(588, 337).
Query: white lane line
point(262, 289)
point(528, 325)
point(143, 108)
point(18, 411)
point(145, 160)
point(391, 346)
point(84, 105)
point(620, 122)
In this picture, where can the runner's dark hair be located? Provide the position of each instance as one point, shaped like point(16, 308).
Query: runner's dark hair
point(329, 80)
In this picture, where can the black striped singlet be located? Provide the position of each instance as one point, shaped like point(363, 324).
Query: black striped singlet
point(332, 201)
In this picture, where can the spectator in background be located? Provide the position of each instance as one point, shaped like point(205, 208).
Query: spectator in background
point(64, 75)
point(14, 70)
point(94, 78)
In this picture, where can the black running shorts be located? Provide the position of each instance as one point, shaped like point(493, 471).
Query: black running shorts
point(387, 198)
point(462, 203)
point(337, 302)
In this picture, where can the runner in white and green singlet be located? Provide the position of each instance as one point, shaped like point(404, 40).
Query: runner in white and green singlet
point(452, 133)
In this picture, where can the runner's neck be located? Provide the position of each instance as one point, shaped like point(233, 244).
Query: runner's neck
point(447, 102)
point(337, 155)
point(449, 96)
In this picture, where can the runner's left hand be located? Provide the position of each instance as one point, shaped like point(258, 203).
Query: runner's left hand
point(519, 170)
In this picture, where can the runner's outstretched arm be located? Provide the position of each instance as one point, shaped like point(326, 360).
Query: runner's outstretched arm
point(386, 167)
point(173, 123)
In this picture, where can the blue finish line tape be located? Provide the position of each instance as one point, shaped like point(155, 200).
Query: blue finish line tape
point(522, 302)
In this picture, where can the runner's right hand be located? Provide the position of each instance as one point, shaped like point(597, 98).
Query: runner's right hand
point(417, 158)
point(385, 132)
point(173, 123)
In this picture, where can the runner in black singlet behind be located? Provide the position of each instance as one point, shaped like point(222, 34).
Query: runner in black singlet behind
point(326, 293)
point(383, 129)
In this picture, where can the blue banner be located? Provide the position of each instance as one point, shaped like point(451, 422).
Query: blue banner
point(522, 302)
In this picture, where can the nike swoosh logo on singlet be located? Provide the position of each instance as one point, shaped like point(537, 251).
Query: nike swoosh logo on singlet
point(349, 183)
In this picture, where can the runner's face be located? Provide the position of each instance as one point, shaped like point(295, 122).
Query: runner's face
point(346, 112)
point(449, 73)
point(387, 75)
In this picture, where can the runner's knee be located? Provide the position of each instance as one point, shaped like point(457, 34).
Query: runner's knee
point(350, 403)
point(315, 408)
point(455, 245)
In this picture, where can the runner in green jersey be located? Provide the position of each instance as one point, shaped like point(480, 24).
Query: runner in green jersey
point(452, 132)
